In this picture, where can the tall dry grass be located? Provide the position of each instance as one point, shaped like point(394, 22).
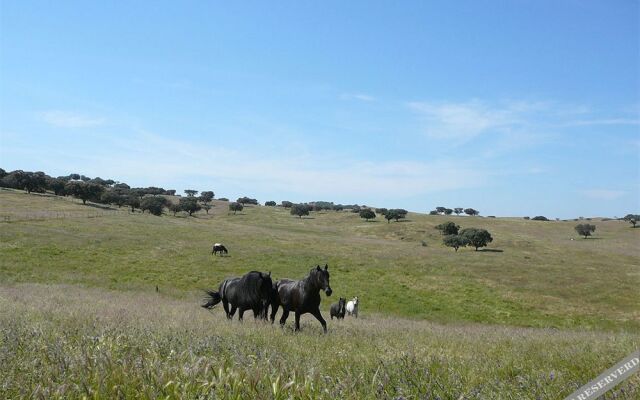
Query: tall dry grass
point(71, 342)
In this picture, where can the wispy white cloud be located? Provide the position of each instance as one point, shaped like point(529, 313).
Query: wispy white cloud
point(462, 122)
point(603, 194)
point(357, 96)
point(609, 121)
point(65, 119)
point(307, 176)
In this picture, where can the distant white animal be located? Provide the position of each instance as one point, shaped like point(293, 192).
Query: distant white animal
point(352, 307)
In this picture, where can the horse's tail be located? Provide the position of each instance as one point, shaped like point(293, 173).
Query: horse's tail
point(211, 299)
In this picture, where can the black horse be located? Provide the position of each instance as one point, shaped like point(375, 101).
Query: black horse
point(302, 296)
point(338, 309)
point(250, 292)
point(217, 247)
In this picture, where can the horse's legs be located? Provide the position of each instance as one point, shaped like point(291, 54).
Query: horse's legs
point(232, 312)
point(274, 311)
point(241, 314)
point(285, 315)
point(298, 320)
point(318, 316)
point(225, 304)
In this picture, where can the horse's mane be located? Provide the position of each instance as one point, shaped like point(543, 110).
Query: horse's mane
point(251, 285)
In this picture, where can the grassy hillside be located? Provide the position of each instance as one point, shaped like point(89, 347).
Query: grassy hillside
point(532, 274)
point(79, 315)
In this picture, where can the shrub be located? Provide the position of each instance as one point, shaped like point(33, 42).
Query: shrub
point(585, 229)
point(540, 218)
point(235, 207)
point(300, 209)
point(367, 214)
point(270, 203)
point(286, 204)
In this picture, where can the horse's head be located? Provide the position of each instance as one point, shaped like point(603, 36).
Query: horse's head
point(341, 304)
point(322, 278)
point(355, 300)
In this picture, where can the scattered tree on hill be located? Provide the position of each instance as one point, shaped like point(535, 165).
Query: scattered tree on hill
point(455, 241)
point(171, 192)
point(84, 191)
point(247, 200)
point(632, 219)
point(585, 229)
point(395, 213)
point(338, 207)
point(35, 182)
point(286, 204)
point(235, 207)
point(206, 197)
point(223, 199)
point(112, 197)
point(458, 210)
point(153, 204)
point(367, 214)
point(433, 212)
point(448, 228)
point(270, 203)
point(440, 210)
point(381, 211)
point(174, 208)
point(471, 211)
point(207, 207)
point(190, 204)
point(133, 202)
point(56, 185)
point(355, 209)
point(539, 218)
point(322, 205)
point(191, 192)
point(527, 218)
point(476, 237)
point(448, 211)
point(300, 210)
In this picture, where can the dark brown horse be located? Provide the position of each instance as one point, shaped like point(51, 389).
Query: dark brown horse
point(338, 309)
point(301, 297)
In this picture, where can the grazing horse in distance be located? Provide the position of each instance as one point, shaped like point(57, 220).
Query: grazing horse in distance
point(217, 247)
point(302, 297)
point(252, 291)
point(352, 307)
point(337, 309)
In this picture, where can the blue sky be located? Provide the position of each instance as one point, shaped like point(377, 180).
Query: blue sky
point(510, 107)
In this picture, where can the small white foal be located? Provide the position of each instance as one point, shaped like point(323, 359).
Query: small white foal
point(352, 307)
